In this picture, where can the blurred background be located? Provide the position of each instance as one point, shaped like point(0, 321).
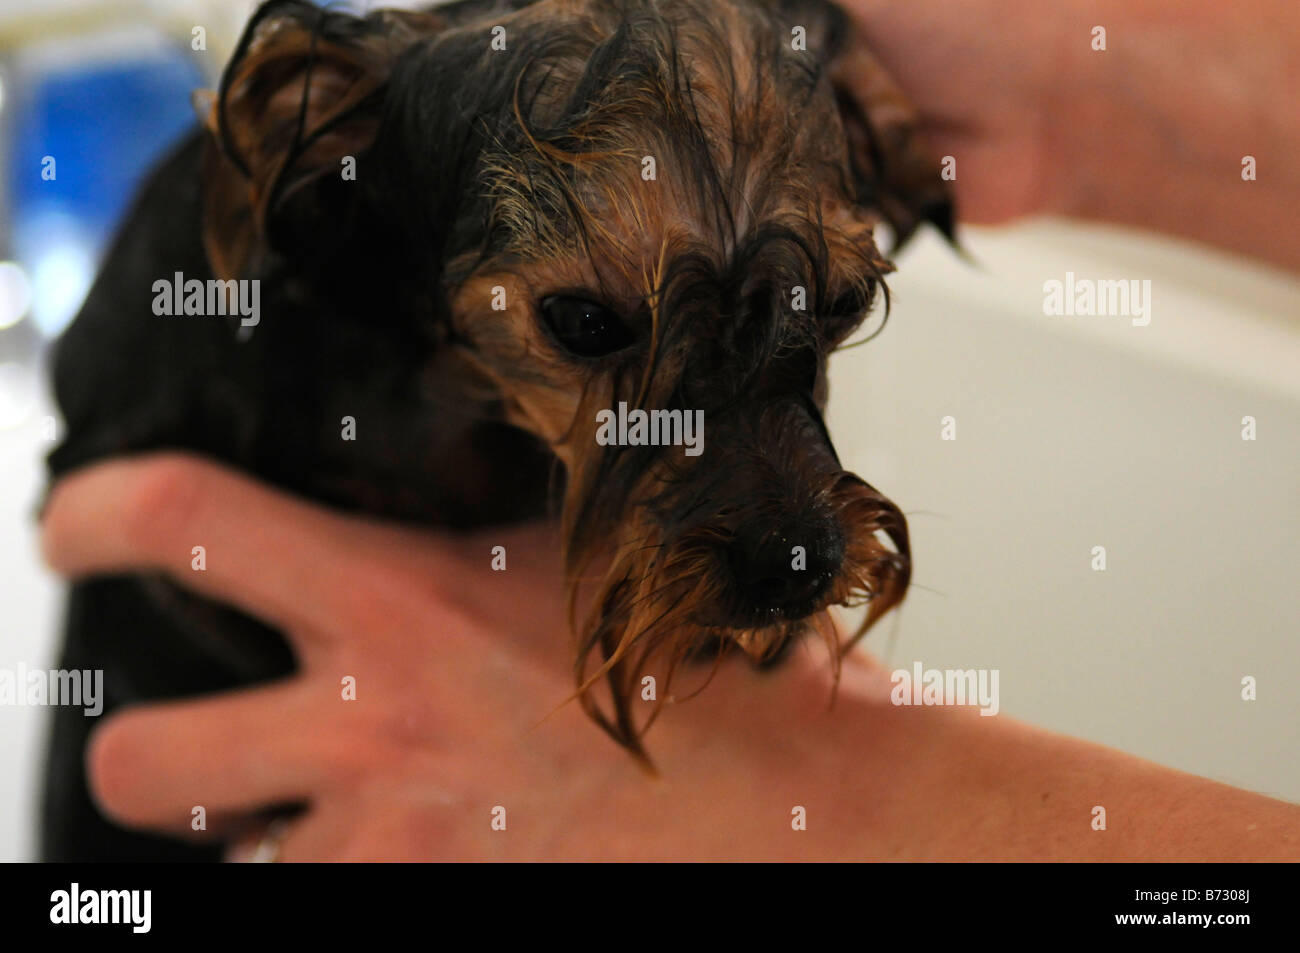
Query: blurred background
point(1071, 432)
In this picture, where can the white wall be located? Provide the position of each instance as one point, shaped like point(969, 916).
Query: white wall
point(1074, 432)
point(29, 613)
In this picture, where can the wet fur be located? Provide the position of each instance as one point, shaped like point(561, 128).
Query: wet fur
point(479, 169)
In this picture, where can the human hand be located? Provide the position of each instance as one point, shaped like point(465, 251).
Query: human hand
point(982, 77)
point(1156, 130)
point(456, 669)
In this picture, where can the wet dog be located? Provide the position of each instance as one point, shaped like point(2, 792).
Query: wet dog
point(566, 255)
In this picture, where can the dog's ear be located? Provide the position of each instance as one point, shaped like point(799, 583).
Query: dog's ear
point(893, 173)
point(301, 94)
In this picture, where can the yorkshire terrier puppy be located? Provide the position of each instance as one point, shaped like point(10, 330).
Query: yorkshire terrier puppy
point(572, 254)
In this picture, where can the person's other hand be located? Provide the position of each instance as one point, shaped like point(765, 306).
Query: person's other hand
point(981, 76)
point(1157, 130)
point(456, 669)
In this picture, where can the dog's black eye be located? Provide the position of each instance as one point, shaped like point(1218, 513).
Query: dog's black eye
point(583, 327)
point(843, 313)
point(850, 304)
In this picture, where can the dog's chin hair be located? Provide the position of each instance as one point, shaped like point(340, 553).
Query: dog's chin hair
point(648, 606)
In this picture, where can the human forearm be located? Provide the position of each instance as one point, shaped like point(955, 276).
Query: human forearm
point(880, 782)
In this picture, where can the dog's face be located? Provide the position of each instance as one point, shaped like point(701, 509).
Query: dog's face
point(641, 207)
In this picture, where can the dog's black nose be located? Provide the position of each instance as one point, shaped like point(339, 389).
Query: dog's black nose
point(785, 571)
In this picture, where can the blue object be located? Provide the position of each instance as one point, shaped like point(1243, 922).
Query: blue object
point(104, 124)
